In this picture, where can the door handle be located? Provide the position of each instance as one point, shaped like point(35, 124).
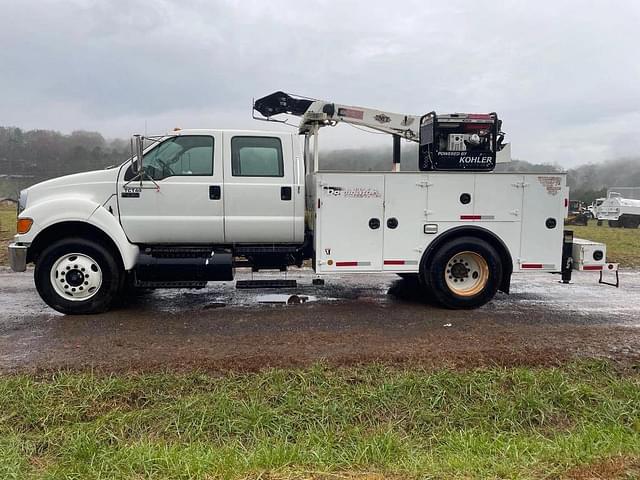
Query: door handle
point(215, 192)
point(285, 193)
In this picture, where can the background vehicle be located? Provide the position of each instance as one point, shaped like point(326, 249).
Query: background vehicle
point(593, 208)
point(192, 204)
point(577, 215)
point(619, 212)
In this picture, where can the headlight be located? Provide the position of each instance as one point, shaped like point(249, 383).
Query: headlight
point(22, 201)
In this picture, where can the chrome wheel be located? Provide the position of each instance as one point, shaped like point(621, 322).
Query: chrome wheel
point(76, 277)
point(467, 274)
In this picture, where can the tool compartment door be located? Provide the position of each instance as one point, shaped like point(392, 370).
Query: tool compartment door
point(444, 191)
point(405, 215)
point(542, 222)
point(349, 222)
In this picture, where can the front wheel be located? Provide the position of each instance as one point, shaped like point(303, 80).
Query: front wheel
point(78, 276)
point(464, 273)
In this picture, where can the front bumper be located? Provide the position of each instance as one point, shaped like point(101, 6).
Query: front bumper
point(18, 257)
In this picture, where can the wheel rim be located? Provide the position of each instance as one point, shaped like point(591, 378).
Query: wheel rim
point(467, 274)
point(76, 277)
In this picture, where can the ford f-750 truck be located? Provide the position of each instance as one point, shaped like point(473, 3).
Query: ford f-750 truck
point(183, 210)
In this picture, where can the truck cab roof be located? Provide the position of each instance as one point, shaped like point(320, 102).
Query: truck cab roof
point(211, 131)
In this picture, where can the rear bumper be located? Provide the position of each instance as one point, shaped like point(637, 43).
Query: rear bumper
point(18, 257)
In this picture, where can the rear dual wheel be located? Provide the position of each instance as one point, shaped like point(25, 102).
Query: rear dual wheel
point(463, 273)
point(630, 221)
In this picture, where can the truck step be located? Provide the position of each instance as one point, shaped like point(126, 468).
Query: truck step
point(247, 284)
point(176, 284)
point(179, 252)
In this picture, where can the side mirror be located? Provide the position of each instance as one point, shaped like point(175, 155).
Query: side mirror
point(136, 153)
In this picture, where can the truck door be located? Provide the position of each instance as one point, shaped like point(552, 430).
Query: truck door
point(259, 183)
point(184, 204)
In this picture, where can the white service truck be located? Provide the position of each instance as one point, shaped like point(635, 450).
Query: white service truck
point(190, 206)
point(618, 211)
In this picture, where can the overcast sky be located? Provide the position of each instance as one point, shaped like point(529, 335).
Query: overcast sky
point(564, 76)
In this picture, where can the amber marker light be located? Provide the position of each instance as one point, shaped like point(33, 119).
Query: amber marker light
point(24, 225)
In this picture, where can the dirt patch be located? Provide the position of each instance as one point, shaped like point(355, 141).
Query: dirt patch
point(348, 322)
point(608, 469)
point(347, 333)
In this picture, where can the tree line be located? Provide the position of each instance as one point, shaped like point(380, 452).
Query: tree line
point(30, 156)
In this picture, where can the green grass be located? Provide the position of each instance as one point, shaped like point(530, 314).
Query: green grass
point(7, 230)
point(490, 423)
point(623, 244)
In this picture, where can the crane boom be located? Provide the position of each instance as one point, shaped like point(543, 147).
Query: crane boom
point(457, 141)
point(320, 112)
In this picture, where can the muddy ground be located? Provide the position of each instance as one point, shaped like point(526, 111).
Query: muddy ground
point(351, 319)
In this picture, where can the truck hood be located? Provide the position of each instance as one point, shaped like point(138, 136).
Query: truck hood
point(97, 186)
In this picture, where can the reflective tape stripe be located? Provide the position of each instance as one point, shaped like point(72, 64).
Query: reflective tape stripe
point(543, 266)
point(477, 217)
point(400, 262)
point(353, 264)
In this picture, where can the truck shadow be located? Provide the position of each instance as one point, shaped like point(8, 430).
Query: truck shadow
point(409, 290)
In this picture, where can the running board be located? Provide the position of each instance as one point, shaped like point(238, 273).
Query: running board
point(176, 284)
point(247, 284)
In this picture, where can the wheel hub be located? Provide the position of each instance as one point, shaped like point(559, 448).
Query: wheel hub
point(76, 276)
point(459, 271)
point(467, 273)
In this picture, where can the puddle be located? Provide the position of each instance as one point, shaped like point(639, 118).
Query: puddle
point(284, 298)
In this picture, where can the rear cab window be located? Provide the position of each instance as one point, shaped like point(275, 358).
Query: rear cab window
point(256, 157)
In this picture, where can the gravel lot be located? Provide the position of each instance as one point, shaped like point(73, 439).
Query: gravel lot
point(352, 319)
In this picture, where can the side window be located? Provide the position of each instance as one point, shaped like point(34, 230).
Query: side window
point(256, 157)
point(188, 155)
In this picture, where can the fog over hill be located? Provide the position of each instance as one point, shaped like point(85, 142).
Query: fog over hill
point(27, 157)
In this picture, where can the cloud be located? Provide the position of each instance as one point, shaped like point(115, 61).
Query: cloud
point(563, 75)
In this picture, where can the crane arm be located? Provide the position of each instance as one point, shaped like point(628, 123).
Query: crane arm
point(450, 142)
point(322, 113)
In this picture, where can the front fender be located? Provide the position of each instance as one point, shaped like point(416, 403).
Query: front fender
point(109, 224)
point(65, 209)
point(55, 210)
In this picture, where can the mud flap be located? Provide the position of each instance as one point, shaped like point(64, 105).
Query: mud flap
point(567, 256)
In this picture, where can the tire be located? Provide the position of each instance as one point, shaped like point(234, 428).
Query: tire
point(464, 273)
point(614, 223)
point(630, 221)
point(78, 276)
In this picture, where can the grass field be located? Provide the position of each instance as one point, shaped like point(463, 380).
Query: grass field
point(356, 422)
point(7, 230)
point(623, 244)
